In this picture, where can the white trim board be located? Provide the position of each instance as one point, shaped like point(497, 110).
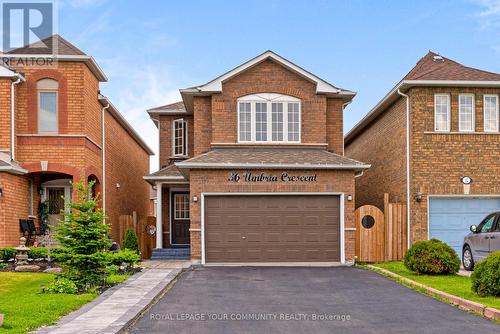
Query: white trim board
point(341, 227)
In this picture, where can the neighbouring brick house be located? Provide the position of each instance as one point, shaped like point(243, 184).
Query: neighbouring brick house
point(453, 138)
point(252, 168)
point(56, 137)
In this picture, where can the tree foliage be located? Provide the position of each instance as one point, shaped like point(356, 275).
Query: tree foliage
point(84, 251)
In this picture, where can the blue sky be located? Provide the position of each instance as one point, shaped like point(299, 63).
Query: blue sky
point(150, 49)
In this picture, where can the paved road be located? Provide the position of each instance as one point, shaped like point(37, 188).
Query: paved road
point(366, 301)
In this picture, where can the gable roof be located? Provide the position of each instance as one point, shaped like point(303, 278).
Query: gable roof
point(436, 67)
point(54, 44)
point(432, 70)
point(58, 48)
point(215, 85)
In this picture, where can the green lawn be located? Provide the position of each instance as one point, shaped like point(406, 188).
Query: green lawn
point(452, 284)
point(25, 308)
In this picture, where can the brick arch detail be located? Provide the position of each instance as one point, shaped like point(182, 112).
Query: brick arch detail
point(62, 102)
point(92, 170)
point(57, 167)
point(256, 89)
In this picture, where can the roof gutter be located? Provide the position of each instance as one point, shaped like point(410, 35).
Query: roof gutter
point(407, 167)
point(12, 115)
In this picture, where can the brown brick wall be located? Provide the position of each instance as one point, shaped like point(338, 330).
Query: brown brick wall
point(126, 164)
point(5, 114)
point(383, 146)
point(13, 205)
point(439, 161)
point(165, 133)
point(77, 149)
point(202, 124)
point(217, 181)
point(335, 126)
point(268, 77)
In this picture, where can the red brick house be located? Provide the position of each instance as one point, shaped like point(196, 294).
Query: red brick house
point(56, 128)
point(433, 141)
point(252, 169)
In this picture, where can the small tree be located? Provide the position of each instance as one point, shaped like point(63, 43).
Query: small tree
point(131, 242)
point(84, 239)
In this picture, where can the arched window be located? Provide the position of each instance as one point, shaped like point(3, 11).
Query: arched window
point(47, 92)
point(269, 118)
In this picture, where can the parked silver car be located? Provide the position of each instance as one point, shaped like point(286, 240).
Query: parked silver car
point(483, 240)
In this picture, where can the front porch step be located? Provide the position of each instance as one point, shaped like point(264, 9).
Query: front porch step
point(171, 254)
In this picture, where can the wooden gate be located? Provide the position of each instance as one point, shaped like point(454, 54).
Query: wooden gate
point(381, 236)
point(146, 241)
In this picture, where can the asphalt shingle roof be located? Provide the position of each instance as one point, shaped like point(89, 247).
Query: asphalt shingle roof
point(45, 46)
point(272, 158)
point(436, 67)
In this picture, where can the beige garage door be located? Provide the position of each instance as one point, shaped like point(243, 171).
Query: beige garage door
point(277, 228)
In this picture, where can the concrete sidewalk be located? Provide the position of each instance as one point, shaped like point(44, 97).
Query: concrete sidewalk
point(117, 306)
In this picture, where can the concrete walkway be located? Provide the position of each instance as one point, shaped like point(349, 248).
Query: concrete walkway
point(118, 306)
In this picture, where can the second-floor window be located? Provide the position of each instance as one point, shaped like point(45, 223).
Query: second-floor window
point(491, 121)
point(179, 138)
point(441, 112)
point(466, 113)
point(47, 90)
point(269, 118)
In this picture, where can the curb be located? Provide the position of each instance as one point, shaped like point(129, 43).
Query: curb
point(158, 294)
point(463, 304)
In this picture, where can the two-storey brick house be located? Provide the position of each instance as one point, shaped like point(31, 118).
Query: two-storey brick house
point(252, 168)
point(56, 128)
point(433, 141)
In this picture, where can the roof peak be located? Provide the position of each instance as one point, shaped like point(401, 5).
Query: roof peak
point(54, 44)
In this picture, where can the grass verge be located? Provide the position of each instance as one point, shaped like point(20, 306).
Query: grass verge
point(453, 284)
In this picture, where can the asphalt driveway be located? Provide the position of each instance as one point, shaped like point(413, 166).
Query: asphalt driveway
point(301, 300)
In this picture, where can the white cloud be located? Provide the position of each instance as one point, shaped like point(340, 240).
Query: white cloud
point(489, 14)
point(134, 89)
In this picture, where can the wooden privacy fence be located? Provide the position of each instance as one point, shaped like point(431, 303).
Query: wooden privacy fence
point(146, 241)
point(381, 236)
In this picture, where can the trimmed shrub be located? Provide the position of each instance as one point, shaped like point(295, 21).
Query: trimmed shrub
point(131, 242)
point(432, 257)
point(486, 276)
point(126, 256)
point(37, 253)
point(61, 285)
point(7, 253)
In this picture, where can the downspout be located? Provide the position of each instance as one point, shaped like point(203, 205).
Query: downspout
point(104, 161)
point(12, 116)
point(343, 107)
point(157, 121)
point(407, 167)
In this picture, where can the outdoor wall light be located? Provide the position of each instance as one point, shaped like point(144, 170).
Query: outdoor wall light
point(1, 192)
point(117, 186)
point(195, 199)
point(349, 198)
point(418, 197)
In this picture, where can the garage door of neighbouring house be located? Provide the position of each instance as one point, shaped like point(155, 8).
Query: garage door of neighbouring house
point(272, 228)
point(450, 217)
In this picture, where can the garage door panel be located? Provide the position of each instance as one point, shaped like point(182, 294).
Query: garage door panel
point(272, 228)
point(450, 217)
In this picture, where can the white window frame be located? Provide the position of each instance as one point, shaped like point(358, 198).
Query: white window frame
point(185, 140)
point(496, 129)
point(448, 97)
point(473, 114)
point(39, 93)
point(268, 98)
